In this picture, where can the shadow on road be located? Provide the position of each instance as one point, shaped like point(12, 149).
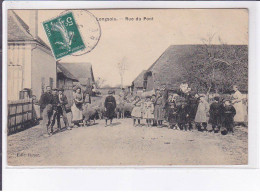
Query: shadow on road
point(115, 124)
point(60, 131)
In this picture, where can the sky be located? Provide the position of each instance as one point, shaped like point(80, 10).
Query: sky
point(141, 42)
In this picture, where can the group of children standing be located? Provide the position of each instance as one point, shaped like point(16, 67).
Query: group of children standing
point(182, 114)
point(151, 109)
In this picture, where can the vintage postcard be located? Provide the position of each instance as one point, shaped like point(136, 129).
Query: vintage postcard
point(127, 87)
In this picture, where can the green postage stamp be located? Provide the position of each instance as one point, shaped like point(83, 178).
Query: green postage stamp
point(64, 35)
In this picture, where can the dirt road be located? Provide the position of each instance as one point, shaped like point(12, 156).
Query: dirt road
point(123, 144)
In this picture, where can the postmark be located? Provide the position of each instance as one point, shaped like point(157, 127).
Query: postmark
point(63, 35)
point(89, 28)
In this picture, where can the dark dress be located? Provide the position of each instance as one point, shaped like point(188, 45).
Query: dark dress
point(214, 114)
point(110, 105)
point(172, 113)
point(227, 116)
point(182, 116)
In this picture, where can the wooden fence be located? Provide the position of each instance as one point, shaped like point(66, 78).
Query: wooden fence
point(20, 115)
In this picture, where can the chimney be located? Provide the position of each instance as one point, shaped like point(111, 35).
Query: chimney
point(33, 23)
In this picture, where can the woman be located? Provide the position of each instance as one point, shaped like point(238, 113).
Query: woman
point(110, 106)
point(159, 108)
point(77, 107)
point(201, 117)
point(238, 105)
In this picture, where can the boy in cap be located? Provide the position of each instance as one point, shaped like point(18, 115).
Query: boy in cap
point(63, 101)
point(215, 115)
point(228, 112)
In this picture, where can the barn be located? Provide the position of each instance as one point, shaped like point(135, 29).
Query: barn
point(65, 80)
point(82, 71)
point(138, 83)
point(203, 67)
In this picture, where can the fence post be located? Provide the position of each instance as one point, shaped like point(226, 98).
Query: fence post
point(15, 125)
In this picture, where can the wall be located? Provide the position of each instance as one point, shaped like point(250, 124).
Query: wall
point(19, 69)
point(43, 68)
point(150, 83)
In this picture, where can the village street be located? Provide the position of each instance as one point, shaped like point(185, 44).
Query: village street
point(123, 144)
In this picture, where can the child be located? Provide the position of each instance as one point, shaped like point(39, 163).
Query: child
point(172, 112)
point(214, 115)
point(201, 117)
point(137, 111)
point(182, 116)
point(148, 109)
point(228, 112)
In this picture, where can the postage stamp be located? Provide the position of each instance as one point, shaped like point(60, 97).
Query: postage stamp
point(63, 35)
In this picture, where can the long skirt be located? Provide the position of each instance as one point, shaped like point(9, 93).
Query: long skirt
point(240, 112)
point(76, 113)
point(158, 113)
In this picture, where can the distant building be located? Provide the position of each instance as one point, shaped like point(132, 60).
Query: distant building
point(31, 64)
point(65, 80)
point(82, 71)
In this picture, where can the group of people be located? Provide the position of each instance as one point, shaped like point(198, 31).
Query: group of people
point(54, 105)
point(184, 111)
point(180, 109)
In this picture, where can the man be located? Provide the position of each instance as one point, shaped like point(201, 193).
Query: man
point(46, 102)
point(56, 115)
point(60, 102)
point(110, 106)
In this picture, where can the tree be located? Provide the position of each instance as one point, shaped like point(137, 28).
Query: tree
point(215, 68)
point(122, 67)
point(100, 82)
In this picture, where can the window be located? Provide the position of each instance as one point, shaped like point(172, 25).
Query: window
point(51, 82)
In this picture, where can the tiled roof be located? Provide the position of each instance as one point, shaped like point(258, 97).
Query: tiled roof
point(82, 71)
point(18, 30)
point(65, 72)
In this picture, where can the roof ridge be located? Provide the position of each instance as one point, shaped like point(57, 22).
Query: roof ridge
point(26, 29)
point(70, 75)
point(21, 24)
